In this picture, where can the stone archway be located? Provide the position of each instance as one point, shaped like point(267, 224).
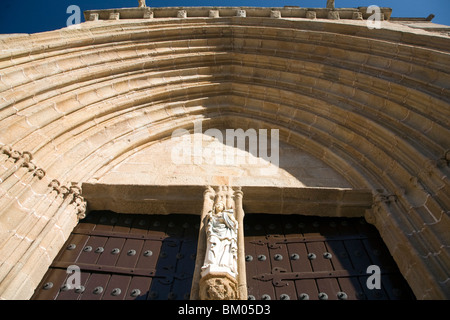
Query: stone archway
point(370, 105)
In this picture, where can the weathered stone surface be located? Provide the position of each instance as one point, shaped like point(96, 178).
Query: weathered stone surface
point(220, 286)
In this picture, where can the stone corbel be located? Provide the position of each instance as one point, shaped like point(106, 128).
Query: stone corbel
point(333, 15)
point(311, 14)
point(182, 14)
point(214, 13)
point(93, 17)
point(275, 14)
point(241, 13)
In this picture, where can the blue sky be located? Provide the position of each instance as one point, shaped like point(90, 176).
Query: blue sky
point(30, 16)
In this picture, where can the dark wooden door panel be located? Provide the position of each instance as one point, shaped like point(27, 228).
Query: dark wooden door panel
point(312, 258)
point(123, 256)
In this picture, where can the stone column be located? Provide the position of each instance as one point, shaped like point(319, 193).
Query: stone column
point(208, 202)
point(220, 264)
point(242, 277)
point(38, 214)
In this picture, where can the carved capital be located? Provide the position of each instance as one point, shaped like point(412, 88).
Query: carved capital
point(209, 193)
point(369, 215)
point(15, 155)
point(39, 173)
point(27, 156)
point(54, 184)
point(64, 191)
point(387, 198)
point(6, 149)
point(78, 201)
point(76, 190)
point(30, 165)
point(444, 161)
point(81, 209)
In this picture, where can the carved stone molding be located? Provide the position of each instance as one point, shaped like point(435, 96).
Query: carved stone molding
point(142, 12)
point(76, 199)
point(21, 159)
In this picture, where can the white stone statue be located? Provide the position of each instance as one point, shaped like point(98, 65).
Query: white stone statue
point(221, 251)
point(142, 4)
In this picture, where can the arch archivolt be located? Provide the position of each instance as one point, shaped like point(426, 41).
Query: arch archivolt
point(372, 107)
